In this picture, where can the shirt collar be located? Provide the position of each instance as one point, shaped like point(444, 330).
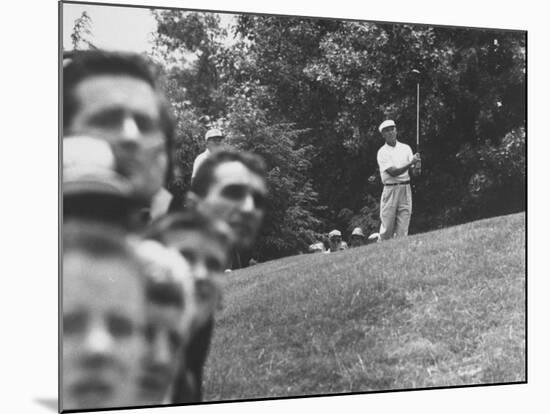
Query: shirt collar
point(397, 144)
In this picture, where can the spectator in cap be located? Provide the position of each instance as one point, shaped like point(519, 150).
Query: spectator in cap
point(92, 188)
point(317, 247)
point(373, 238)
point(116, 97)
point(357, 237)
point(214, 140)
point(170, 309)
point(205, 244)
point(103, 317)
point(335, 241)
point(394, 161)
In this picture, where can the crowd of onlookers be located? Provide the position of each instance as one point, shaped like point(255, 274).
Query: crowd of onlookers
point(143, 272)
point(334, 242)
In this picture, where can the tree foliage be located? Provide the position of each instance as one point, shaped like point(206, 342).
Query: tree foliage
point(82, 30)
point(308, 95)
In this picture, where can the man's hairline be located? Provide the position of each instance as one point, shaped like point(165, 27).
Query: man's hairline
point(78, 101)
point(215, 177)
point(202, 232)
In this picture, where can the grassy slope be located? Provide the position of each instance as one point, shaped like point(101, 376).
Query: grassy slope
point(435, 309)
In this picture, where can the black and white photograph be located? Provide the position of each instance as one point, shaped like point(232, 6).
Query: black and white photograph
point(262, 206)
point(276, 207)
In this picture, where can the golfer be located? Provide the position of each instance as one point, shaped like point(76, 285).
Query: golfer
point(394, 161)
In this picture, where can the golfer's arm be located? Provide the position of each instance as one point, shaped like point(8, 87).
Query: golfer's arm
point(394, 171)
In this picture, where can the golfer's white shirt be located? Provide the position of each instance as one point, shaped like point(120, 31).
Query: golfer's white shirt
point(199, 160)
point(396, 157)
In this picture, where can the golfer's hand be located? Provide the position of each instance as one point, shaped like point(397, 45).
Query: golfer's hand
point(416, 158)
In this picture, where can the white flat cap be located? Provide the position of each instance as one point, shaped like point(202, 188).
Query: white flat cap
point(213, 133)
point(385, 124)
point(357, 232)
point(334, 233)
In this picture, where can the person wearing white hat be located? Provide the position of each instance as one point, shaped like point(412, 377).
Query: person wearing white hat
point(317, 247)
point(335, 241)
point(373, 238)
point(92, 187)
point(394, 161)
point(357, 237)
point(214, 139)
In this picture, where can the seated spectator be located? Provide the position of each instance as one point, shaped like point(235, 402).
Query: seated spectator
point(170, 310)
point(316, 248)
point(205, 245)
point(373, 238)
point(335, 241)
point(103, 306)
point(357, 237)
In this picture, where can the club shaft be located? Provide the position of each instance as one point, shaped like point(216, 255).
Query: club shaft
point(417, 117)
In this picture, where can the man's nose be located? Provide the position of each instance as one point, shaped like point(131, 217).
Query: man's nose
point(129, 129)
point(98, 341)
point(248, 203)
point(200, 271)
point(161, 350)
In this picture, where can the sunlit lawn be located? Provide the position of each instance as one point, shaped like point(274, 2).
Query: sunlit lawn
point(436, 309)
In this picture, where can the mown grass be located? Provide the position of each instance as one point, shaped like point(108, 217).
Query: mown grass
point(436, 309)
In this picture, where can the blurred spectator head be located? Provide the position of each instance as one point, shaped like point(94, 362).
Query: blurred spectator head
point(170, 310)
point(231, 186)
point(116, 96)
point(92, 188)
point(373, 238)
point(205, 244)
point(357, 237)
point(334, 236)
point(103, 306)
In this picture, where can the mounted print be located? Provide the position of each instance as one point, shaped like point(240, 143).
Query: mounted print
point(270, 206)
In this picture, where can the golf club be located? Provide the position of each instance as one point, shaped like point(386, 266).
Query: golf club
point(417, 76)
point(416, 73)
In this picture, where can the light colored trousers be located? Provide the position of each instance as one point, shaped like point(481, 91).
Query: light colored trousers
point(395, 211)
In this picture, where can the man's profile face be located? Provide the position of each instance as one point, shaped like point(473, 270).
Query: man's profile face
point(103, 317)
point(236, 196)
point(164, 341)
point(390, 135)
point(125, 111)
